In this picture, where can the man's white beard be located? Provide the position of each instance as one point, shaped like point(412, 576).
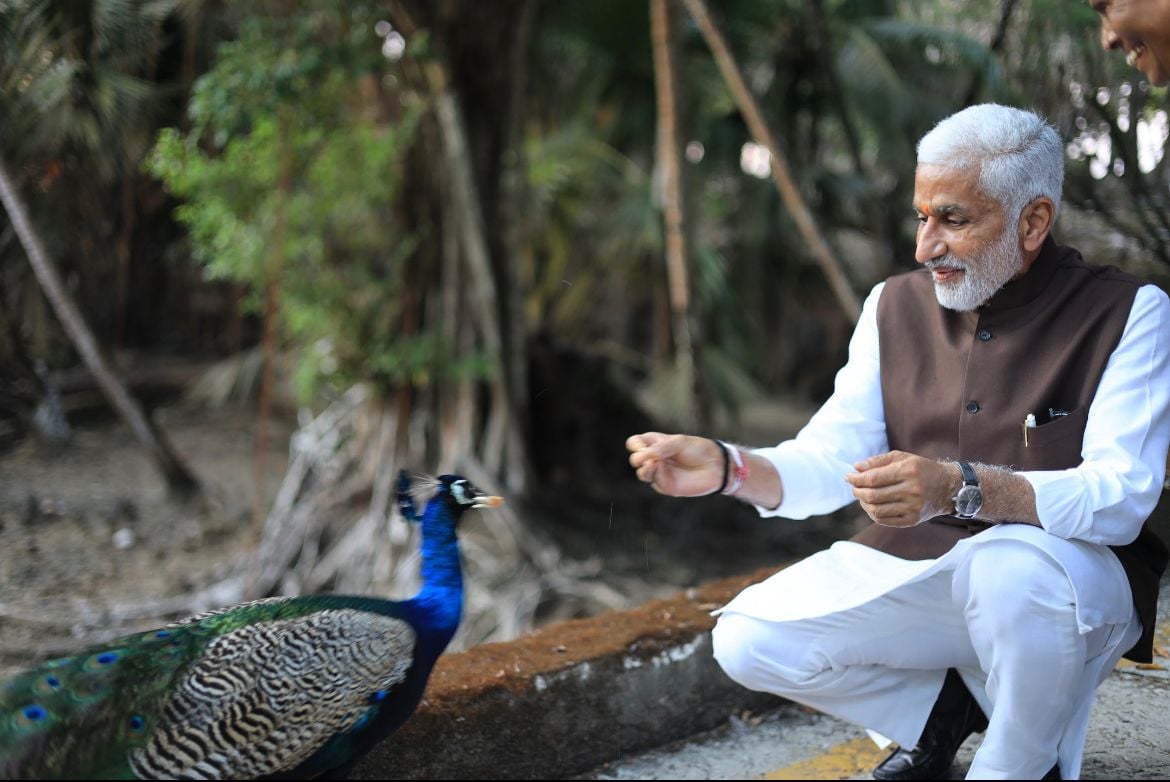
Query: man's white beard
point(984, 273)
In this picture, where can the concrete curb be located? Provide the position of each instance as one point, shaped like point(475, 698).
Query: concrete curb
point(571, 696)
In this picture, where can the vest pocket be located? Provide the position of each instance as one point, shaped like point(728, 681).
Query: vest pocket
point(1056, 444)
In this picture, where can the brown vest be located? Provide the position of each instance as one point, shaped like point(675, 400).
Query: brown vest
point(957, 385)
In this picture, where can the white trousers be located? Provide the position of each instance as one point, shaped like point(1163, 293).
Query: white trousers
point(1005, 617)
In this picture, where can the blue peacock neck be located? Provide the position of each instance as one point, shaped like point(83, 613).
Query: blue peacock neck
point(441, 595)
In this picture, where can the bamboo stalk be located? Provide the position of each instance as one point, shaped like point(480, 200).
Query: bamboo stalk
point(781, 175)
point(666, 81)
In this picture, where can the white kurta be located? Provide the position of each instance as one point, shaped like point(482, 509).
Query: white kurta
point(1103, 501)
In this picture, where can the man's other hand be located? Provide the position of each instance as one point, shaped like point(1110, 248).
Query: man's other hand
point(899, 489)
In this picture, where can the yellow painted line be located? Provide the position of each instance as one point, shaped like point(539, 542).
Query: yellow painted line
point(1161, 652)
point(849, 759)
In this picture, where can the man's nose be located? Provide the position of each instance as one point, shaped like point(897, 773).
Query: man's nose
point(1109, 39)
point(929, 244)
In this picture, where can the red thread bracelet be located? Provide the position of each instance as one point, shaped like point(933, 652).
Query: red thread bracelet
point(735, 481)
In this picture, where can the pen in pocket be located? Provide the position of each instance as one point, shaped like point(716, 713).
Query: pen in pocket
point(1029, 423)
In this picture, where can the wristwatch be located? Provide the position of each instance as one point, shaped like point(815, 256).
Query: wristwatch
point(969, 500)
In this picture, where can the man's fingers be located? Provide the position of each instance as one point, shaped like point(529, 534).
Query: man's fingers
point(656, 444)
point(891, 514)
point(884, 499)
point(643, 452)
point(870, 496)
point(644, 440)
point(872, 479)
point(880, 460)
point(636, 442)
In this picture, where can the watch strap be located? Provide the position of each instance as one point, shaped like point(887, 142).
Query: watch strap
point(969, 477)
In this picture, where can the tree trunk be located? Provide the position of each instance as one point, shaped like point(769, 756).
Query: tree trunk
point(271, 317)
point(503, 446)
point(781, 175)
point(665, 56)
point(512, 186)
point(122, 253)
point(178, 477)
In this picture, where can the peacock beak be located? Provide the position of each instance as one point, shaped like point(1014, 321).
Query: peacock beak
point(488, 501)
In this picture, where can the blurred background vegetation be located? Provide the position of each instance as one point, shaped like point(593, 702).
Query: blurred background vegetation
point(527, 228)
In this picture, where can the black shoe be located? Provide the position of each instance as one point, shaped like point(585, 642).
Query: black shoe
point(1054, 773)
point(955, 716)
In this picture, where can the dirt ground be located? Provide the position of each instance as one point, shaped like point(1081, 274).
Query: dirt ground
point(89, 526)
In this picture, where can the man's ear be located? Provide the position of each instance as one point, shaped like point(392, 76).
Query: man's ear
point(1036, 223)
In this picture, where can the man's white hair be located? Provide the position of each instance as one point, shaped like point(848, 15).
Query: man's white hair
point(1020, 156)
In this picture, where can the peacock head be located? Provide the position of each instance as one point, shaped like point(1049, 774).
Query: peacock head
point(461, 493)
point(466, 494)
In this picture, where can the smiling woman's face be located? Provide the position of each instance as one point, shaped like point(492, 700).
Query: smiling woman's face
point(1140, 29)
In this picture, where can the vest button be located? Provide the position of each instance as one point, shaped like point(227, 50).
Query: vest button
point(984, 334)
point(972, 407)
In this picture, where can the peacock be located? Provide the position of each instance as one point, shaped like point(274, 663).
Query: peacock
point(292, 687)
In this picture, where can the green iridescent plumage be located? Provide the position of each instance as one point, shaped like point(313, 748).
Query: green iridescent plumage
point(297, 686)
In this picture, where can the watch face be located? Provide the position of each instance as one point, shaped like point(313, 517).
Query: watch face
point(968, 501)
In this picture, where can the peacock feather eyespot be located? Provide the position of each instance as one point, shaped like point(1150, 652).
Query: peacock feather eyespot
point(162, 634)
point(137, 723)
point(47, 685)
point(34, 712)
point(100, 661)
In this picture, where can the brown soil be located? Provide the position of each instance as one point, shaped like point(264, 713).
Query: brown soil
point(90, 524)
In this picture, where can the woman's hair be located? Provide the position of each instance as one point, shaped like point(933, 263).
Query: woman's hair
point(1019, 155)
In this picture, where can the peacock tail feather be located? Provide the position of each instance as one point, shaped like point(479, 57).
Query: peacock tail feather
point(182, 701)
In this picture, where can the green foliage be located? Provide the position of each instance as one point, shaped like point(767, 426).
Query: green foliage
point(72, 81)
point(286, 177)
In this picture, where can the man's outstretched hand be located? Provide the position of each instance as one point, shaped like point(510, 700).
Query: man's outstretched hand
point(677, 464)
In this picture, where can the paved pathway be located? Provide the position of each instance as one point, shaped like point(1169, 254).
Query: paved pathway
point(1129, 737)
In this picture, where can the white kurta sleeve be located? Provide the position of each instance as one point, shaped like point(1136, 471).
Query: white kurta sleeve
point(1107, 497)
point(849, 427)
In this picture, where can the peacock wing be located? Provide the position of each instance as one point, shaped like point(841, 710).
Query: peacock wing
point(266, 696)
point(80, 716)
